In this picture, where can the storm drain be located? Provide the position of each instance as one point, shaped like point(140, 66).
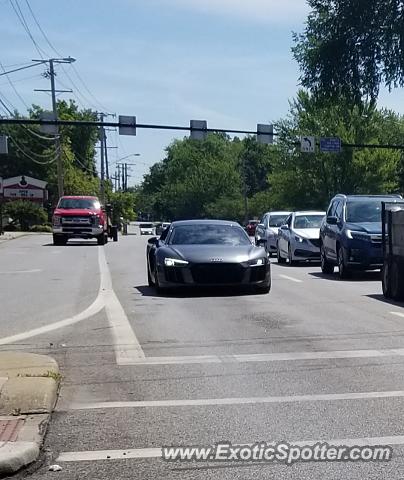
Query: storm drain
point(9, 429)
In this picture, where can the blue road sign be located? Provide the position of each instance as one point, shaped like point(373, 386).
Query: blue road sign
point(330, 144)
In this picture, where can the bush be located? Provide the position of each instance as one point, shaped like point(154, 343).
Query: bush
point(41, 228)
point(25, 213)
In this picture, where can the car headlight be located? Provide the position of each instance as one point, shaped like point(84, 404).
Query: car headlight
point(56, 220)
point(257, 262)
point(299, 239)
point(175, 262)
point(353, 235)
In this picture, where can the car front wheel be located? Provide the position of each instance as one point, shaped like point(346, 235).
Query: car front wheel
point(326, 266)
point(343, 270)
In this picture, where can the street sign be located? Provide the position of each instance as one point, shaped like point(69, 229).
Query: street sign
point(330, 144)
point(127, 125)
point(265, 133)
point(198, 129)
point(48, 129)
point(307, 144)
point(3, 145)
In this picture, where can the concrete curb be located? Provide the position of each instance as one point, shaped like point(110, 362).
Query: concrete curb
point(29, 385)
point(7, 236)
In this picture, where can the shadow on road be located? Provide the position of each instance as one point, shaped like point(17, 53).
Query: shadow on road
point(356, 276)
point(382, 298)
point(73, 243)
point(310, 263)
point(196, 292)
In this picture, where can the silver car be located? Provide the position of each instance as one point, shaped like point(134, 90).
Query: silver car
point(266, 233)
point(299, 237)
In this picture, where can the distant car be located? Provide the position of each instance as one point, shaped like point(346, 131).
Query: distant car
point(266, 233)
point(161, 227)
point(299, 237)
point(351, 233)
point(146, 229)
point(251, 226)
point(206, 253)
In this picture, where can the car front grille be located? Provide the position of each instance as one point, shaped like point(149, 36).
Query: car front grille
point(217, 273)
point(76, 221)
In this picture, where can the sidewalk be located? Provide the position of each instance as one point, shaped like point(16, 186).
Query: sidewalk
point(13, 235)
point(29, 386)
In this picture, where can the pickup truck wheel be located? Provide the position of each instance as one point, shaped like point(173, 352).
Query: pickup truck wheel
point(326, 266)
point(101, 239)
point(59, 240)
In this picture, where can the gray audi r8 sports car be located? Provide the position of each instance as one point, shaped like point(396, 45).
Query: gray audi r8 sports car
point(206, 253)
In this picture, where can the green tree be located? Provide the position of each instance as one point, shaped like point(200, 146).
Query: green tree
point(25, 213)
point(350, 46)
point(303, 180)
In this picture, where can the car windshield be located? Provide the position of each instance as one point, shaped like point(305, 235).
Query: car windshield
point(79, 203)
point(308, 221)
point(209, 235)
point(146, 225)
point(366, 211)
point(276, 220)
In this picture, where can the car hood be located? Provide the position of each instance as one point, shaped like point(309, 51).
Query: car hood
point(368, 227)
point(76, 212)
point(310, 233)
point(224, 253)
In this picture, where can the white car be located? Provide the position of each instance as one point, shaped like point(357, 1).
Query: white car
point(146, 229)
point(266, 233)
point(299, 237)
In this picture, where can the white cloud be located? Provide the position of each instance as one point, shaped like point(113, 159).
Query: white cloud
point(268, 11)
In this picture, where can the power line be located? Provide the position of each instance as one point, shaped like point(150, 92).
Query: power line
point(23, 152)
point(21, 18)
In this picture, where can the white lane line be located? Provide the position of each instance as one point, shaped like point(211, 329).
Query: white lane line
point(127, 347)
point(292, 279)
point(270, 357)
point(398, 314)
point(327, 397)
point(139, 453)
point(11, 272)
point(126, 344)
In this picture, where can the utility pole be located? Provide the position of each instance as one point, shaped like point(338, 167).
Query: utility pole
point(58, 149)
point(57, 137)
point(102, 144)
point(106, 156)
point(119, 176)
point(245, 191)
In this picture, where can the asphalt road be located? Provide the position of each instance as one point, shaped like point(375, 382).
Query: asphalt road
point(317, 359)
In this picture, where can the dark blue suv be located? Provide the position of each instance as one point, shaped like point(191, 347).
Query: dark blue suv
point(351, 233)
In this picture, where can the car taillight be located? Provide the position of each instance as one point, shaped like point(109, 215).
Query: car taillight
point(56, 220)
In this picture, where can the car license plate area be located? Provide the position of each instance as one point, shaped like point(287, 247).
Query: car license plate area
point(225, 273)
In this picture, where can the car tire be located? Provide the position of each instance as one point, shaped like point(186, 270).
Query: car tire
point(386, 280)
point(290, 256)
point(157, 286)
point(101, 239)
point(343, 271)
point(149, 278)
point(279, 257)
point(326, 266)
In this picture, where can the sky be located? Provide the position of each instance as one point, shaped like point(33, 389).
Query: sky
point(164, 61)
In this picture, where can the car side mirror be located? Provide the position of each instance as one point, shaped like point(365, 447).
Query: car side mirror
point(153, 241)
point(285, 227)
point(332, 220)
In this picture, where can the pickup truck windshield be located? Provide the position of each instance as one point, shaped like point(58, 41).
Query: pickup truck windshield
point(79, 203)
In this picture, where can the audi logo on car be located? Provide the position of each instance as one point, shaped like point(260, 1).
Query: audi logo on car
point(216, 259)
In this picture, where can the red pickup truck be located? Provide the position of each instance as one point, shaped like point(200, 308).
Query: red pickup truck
point(79, 217)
